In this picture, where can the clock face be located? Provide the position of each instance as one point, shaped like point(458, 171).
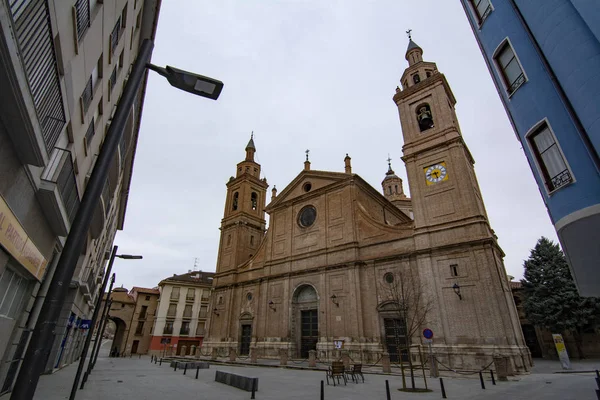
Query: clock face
point(436, 173)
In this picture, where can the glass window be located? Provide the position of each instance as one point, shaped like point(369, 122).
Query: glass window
point(482, 8)
point(175, 293)
point(549, 158)
point(190, 294)
point(172, 309)
point(13, 289)
point(187, 312)
point(511, 71)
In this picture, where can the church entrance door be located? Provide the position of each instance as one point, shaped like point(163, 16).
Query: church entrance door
point(395, 339)
point(310, 332)
point(246, 340)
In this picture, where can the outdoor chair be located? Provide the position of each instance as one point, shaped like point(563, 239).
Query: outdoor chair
point(336, 371)
point(355, 372)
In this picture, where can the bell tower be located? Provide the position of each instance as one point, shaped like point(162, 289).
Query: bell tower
point(243, 224)
point(459, 261)
point(440, 170)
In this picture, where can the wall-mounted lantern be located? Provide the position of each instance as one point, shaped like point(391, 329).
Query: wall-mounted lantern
point(334, 300)
point(272, 305)
point(457, 290)
point(216, 312)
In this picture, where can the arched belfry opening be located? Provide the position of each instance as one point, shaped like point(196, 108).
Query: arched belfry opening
point(424, 117)
point(305, 320)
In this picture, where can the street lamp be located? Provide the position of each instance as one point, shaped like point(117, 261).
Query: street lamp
point(38, 350)
point(88, 338)
point(457, 290)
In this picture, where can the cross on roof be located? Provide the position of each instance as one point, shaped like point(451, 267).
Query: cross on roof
point(408, 32)
point(307, 151)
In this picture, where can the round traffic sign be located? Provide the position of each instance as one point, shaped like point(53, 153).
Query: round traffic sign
point(427, 333)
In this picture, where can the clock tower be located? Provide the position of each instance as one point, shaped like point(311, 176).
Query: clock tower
point(457, 256)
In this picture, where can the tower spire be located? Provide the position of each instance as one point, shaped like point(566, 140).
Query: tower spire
point(414, 53)
point(250, 148)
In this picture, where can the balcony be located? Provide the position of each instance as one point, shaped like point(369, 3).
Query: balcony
point(190, 299)
point(58, 192)
point(168, 329)
point(34, 51)
point(184, 331)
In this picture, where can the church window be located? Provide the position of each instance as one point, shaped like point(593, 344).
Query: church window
point(510, 68)
point(251, 239)
point(236, 195)
point(307, 186)
point(220, 300)
point(549, 158)
point(454, 270)
point(388, 277)
point(390, 189)
point(428, 73)
point(228, 240)
point(307, 216)
point(481, 8)
point(253, 200)
point(416, 78)
point(396, 187)
point(424, 117)
point(249, 296)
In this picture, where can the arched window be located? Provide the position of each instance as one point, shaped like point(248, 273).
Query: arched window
point(396, 187)
point(416, 78)
point(390, 189)
point(253, 200)
point(424, 117)
point(235, 201)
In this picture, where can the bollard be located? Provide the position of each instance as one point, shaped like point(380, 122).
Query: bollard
point(385, 363)
point(197, 370)
point(253, 388)
point(322, 390)
point(160, 363)
point(492, 375)
point(175, 367)
point(443, 389)
point(387, 390)
point(184, 368)
point(481, 380)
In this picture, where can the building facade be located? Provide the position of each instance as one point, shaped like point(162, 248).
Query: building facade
point(179, 324)
point(544, 58)
point(345, 267)
point(63, 66)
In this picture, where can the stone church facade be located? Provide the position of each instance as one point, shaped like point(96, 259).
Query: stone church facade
point(320, 276)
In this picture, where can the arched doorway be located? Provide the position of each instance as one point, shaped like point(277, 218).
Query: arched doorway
point(118, 345)
point(305, 320)
point(245, 335)
point(393, 331)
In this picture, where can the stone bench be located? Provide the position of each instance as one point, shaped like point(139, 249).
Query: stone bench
point(190, 364)
point(238, 381)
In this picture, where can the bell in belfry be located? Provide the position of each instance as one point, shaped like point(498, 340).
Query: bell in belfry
point(424, 117)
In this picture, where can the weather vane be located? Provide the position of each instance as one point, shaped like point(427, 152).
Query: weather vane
point(252, 135)
point(408, 32)
point(307, 151)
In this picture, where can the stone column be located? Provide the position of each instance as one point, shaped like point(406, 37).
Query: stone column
point(253, 354)
point(283, 357)
point(385, 363)
point(346, 359)
point(193, 350)
point(214, 353)
point(500, 363)
point(183, 350)
point(312, 358)
point(232, 355)
point(197, 352)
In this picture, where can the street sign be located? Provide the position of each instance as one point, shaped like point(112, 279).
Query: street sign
point(427, 333)
point(85, 324)
point(427, 341)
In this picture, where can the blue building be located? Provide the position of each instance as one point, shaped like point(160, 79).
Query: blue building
point(544, 58)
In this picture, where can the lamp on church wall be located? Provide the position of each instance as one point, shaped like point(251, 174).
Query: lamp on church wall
point(272, 305)
point(334, 300)
point(216, 312)
point(457, 290)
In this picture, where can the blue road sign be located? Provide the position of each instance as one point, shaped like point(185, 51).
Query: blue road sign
point(427, 333)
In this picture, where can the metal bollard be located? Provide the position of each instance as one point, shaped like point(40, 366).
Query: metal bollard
point(387, 390)
point(184, 368)
point(443, 389)
point(481, 380)
point(322, 390)
point(175, 366)
point(197, 370)
point(492, 375)
point(253, 388)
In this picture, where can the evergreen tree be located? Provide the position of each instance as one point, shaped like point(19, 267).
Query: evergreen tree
point(552, 300)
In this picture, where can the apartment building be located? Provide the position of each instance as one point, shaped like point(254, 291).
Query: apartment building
point(63, 64)
point(544, 58)
point(142, 321)
point(179, 325)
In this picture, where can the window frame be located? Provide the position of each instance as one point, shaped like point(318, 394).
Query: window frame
point(500, 71)
point(542, 171)
point(481, 18)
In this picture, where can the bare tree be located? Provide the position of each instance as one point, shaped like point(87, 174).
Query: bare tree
point(410, 305)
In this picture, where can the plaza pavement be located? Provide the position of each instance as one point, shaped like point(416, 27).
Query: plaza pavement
point(138, 379)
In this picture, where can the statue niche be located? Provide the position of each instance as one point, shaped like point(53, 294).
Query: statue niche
point(424, 117)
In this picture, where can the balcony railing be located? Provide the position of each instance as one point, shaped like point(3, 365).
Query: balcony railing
point(115, 36)
point(31, 20)
point(112, 81)
point(89, 134)
point(87, 95)
point(184, 331)
point(59, 175)
point(168, 330)
point(561, 179)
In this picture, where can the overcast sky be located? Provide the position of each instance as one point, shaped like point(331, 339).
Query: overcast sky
point(304, 74)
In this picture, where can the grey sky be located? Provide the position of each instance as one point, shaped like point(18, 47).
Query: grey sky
point(308, 74)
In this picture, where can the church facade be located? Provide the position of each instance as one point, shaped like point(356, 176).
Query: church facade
point(343, 266)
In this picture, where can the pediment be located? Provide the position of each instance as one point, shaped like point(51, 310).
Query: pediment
point(299, 186)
